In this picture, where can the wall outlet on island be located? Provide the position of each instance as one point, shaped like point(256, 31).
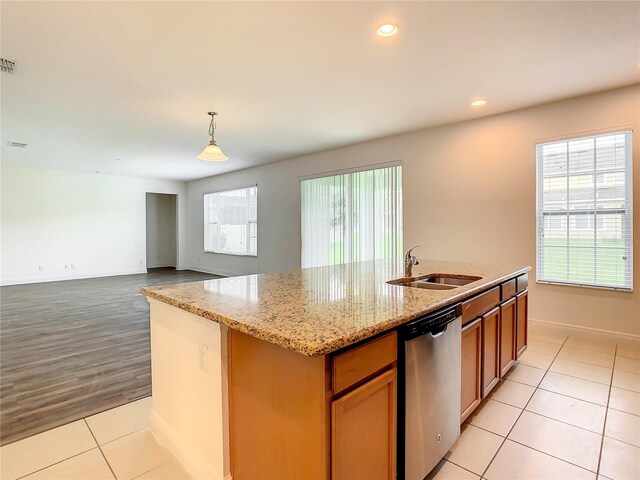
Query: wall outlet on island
point(203, 357)
point(41, 268)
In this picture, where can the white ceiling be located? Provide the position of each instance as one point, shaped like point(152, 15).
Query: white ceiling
point(123, 88)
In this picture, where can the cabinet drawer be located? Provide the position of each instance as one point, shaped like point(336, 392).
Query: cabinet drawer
point(477, 306)
point(522, 282)
point(507, 290)
point(359, 363)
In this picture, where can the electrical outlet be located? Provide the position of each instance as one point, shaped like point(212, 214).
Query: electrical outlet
point(41, 268)
point(73, 265)
point(203, 357)
point(66, 266)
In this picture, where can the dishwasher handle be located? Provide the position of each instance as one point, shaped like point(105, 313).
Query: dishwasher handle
point(436, 332)
point(434, 324)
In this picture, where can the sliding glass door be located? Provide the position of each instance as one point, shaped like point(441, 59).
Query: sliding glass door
point(352, 217)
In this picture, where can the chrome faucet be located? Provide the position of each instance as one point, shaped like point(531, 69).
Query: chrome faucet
point(410, 261)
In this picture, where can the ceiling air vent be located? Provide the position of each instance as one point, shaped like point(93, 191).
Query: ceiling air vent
point(17, 144)
point(8, 66)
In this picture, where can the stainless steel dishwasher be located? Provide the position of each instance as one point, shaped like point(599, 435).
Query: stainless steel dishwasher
point(429, 394)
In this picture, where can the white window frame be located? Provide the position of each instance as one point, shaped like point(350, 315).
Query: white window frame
point(628, 210)
point(207, 222)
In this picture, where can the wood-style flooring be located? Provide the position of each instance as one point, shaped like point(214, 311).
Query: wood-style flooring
point(74, 348)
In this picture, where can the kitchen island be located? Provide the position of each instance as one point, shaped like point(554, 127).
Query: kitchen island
point(294, 375)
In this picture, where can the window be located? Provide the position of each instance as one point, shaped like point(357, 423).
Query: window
point(231, 222)
point(352, 217)
point(584, 211)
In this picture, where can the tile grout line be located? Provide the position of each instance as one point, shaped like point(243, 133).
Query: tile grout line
point(552, 418)
point(99, 448)
point(454, 463)
point(579, 378)
point(158, 466)
point(125, 435)
point(575, 398)
point(553, 456)
point(521, 412)
point(606, 413)
point(54, 463)
point(562, 394)
point(530, 448)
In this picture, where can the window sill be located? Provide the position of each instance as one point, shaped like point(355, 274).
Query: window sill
point(232, 254)
point(581, 285)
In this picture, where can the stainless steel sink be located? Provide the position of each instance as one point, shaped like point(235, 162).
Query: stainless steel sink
point(436, 281)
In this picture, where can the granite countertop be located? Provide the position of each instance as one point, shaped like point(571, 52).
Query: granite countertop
point(316, 311)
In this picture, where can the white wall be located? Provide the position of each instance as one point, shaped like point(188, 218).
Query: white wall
point(95, 222)
point(161, 230)
point(469, 194)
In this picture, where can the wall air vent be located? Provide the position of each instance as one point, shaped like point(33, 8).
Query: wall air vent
point(8, 66)
point(17, 144)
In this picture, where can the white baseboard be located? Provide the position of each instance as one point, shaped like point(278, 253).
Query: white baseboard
point(60, 278)
point(196, 467)
point(214, 271)
point(586, 329)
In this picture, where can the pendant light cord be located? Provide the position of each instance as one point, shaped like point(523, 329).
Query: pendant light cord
point(212, 126)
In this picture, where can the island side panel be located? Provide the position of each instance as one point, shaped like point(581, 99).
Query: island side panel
point(189, 393)
point(279, 407)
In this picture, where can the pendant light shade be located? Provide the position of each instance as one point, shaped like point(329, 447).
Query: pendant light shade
point(212, 152)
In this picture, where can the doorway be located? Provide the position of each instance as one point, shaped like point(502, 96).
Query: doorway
point(162, 230)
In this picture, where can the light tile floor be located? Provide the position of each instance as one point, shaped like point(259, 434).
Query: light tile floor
point(569, 409)
point(116, 444)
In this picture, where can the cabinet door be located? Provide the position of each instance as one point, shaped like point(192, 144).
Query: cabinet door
point(363, 431)
point(522, 314)
point(490, 350)
point(471, 392)
point(507, 335)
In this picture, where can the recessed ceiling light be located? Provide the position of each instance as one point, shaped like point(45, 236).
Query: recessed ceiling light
point(387, 30)
point(479, 103)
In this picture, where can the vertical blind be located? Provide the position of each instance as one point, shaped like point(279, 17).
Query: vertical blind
point(584, 211)
point(231, 222)
point(352, 217)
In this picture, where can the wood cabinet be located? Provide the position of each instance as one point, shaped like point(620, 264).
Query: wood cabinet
point(490, 350)
point(471, 350)
point(507, 335)
point(494, 335)
point(292, 416)
point(364, 411)
point(522, 325)
point(278, 411)
point(363, 431)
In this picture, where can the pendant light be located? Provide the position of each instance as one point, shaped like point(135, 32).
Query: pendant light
point(212, 152)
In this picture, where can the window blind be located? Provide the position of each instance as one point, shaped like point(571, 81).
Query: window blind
point(584, 211)
point(352, 217)
point(231, 222)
